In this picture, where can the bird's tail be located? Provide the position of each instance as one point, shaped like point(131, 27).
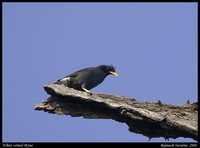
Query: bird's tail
point(57, 82)
point(64, 81)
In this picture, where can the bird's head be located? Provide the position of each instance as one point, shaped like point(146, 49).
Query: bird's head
point(108, 69)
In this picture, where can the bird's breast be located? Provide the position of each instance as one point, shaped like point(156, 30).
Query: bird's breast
point(95, 80)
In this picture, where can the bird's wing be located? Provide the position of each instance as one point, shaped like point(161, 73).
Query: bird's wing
point(75, 74)
point(68, 77)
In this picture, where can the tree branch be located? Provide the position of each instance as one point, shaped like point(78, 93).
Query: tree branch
point(151, 119)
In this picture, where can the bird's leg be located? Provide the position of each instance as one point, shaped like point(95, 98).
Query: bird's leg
point(83, 87)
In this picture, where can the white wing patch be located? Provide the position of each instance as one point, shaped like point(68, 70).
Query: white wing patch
point(65, 79)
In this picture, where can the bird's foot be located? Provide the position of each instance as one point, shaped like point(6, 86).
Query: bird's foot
point(86, 90)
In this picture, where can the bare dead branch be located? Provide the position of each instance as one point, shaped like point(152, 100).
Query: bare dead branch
point(151, 119)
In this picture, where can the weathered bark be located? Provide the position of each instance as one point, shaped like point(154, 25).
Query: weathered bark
point(152, 119)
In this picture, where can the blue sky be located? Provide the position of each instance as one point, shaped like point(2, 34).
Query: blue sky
point(152, 45)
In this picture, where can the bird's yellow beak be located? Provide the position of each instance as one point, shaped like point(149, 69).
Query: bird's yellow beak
point(113, 73)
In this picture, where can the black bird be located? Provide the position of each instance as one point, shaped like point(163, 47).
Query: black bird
point(87, 78)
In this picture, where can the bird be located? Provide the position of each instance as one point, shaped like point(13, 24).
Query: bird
point(87, 78)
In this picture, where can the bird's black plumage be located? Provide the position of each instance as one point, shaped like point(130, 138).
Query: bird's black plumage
point(87, 78)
